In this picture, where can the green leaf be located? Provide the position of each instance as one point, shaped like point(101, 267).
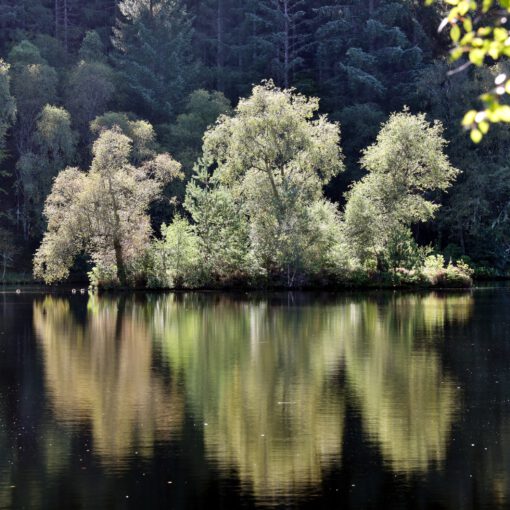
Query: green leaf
point(468, 24)
point(504, 113)
point(500, 34)
point(455, 33)
point(487, 4)
point(477, 56)
point(456, 54)
point(464, 6)
point(484, 31)
point(495, 50)
point(476, 136)
point(484, 127)
point(467, 38)
point(469, 118)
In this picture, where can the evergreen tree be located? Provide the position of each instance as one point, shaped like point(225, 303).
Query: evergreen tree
point(22, 18)
point(280, 37)
point(7, 105)
point(474, 220)
point(90, 85)
point(367, 55)
point(213, 38)
point(153, 42)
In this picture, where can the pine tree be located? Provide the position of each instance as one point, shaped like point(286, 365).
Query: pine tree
point(153, 39)
point(278, 38)
point(23, 18)
point(367, 55)
point(7, 105)
point(65, 12)
point(218, 27)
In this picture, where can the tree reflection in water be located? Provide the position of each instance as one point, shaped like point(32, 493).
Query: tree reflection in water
point(265, 380)
point(100, 371)
point(406, 399)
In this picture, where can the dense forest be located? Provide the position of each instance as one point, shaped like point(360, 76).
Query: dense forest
point(132, 131)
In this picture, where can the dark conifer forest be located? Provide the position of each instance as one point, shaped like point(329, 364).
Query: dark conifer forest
point(87, 82)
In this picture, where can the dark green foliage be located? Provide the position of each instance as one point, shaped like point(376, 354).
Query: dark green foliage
point(92, 48)
point(475, 213)
point(22, 17)
point(89, 90)
point(179, 64)
point(153, 42)
point(51, 50)
point(279, 37)
point(184, 138)
point(7, 105)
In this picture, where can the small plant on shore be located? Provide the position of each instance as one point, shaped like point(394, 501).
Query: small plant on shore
point(440, 274)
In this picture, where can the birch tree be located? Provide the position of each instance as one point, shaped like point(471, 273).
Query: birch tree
point(102, 212)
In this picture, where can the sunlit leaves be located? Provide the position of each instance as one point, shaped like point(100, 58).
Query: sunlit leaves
point(277, 152)
point(478, 30)
point(407, 161)
point(102, 212)
point(494, 112)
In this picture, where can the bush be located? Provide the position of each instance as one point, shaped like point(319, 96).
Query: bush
point(403, 276)
point(174, 261)
point(103, 277)
point(452, 275)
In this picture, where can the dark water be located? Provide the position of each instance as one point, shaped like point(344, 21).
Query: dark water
point(376, 400)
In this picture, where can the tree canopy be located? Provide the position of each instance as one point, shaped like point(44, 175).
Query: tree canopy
point(102, 212)
point(167, 72)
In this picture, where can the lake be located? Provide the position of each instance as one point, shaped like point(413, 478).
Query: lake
point(209, 400)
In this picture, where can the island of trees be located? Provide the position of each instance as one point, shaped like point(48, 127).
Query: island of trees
point(135, 147)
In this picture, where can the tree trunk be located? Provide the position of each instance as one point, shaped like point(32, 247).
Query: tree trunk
point(117, 245)
point(220, 51)
point(371, 8)
point(66, 26)
point(286, 43)
point(119, 259)
point(57, 31)
point(119, 321)
point(62, 22)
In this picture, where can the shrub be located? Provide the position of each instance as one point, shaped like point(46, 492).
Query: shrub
point(439, 275)
point(174, 261)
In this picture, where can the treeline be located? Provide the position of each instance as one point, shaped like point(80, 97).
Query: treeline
point(256, 212)
point(165, 70)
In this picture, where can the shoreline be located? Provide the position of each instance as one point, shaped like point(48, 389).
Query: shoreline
point(84, 289)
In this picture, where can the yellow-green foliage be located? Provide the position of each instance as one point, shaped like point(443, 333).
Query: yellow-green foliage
point(273, 157)
point(478, 29)
point(404, 165)
point(102, 212)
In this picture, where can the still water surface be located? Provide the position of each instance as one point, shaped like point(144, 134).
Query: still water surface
point(370, 400)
